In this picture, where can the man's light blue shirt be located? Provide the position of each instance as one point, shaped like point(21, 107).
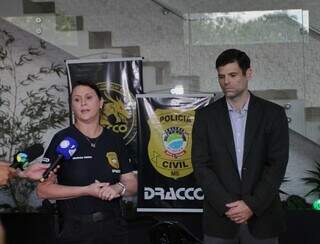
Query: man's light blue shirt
point(238, 120)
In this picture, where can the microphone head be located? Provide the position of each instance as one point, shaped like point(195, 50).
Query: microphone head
point(24, 157)
point(67, 147)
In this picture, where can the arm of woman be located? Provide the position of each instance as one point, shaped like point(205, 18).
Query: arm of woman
point(129, 180)
point(126, 187)
point(51, 190)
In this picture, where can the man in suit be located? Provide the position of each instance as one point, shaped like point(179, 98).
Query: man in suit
point(240, 146)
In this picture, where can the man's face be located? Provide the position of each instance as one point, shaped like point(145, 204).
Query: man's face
point(232, 81)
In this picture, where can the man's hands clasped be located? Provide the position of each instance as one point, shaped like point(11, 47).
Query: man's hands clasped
point(238, 212)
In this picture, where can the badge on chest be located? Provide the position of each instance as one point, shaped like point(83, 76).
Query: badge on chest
point(112, 159)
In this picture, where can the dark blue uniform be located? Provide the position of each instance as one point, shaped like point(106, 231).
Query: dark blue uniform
point(89, 219)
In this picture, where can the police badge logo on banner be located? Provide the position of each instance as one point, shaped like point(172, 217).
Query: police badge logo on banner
point(169, 146)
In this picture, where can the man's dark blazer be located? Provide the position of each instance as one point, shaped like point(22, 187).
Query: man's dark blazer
point(265, 157)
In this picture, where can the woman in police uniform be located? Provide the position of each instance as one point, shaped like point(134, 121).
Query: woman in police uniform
point(89, 185)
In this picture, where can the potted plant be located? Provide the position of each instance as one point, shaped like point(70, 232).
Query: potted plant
point(314, 180)
point(28, 108)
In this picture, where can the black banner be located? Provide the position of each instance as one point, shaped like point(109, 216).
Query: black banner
point(166, 180)
point(119, 80)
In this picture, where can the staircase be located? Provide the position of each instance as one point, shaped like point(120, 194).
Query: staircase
point(67, 33)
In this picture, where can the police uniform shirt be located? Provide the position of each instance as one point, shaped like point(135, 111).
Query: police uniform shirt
point(105, 162)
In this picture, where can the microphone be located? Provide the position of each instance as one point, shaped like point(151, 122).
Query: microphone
point(22, 158)
point(65, 151)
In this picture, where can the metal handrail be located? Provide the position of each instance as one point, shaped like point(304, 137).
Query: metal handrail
point(314, 32)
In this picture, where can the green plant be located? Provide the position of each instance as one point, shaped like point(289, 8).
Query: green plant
point(28, 107)
point(313, 180)
point(295, 202)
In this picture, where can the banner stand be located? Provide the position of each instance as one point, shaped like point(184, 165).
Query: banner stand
point(167, 188)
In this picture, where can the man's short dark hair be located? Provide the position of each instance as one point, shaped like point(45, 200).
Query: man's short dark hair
point(234, 55)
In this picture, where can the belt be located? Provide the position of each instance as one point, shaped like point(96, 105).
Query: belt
point(93, 217)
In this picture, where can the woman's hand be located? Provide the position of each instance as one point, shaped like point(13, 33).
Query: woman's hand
point(95, 188)
point(110, 192)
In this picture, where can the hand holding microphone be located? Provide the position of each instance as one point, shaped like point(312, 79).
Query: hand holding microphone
point(34, 171)
point(65, 151)
point(21, 160)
